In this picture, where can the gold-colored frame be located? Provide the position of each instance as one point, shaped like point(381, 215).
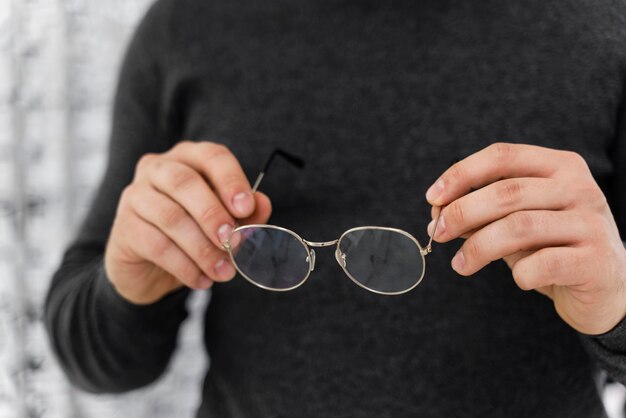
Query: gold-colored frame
point(339, 257)
point(424, 251)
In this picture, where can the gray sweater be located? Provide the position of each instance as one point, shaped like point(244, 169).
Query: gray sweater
point(379, 97)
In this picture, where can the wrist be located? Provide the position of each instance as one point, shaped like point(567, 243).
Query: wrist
point(138, 287)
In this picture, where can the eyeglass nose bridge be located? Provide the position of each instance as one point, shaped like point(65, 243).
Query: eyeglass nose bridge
point(317, 244)
point(321, 243)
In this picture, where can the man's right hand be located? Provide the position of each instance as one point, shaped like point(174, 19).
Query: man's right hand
point(172, 219)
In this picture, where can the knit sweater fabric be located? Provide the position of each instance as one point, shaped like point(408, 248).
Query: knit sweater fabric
point(378, 97)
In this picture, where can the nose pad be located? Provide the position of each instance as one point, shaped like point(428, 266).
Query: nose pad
point(311, 259)
point(340, 257)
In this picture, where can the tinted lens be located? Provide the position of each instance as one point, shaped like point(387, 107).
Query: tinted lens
point(385, 261)
point(270, 257)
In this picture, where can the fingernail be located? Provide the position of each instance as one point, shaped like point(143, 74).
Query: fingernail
point(224, 269)
point(205, 282)
point(243, 203)
point(435, 191)
point(223, 232)
point(441, 227)
point(458, 262)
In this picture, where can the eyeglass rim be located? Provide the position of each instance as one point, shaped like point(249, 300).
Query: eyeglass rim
point(268, 226)
point(391, 229)
point(335, 243)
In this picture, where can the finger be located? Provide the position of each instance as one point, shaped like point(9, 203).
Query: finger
point(174, 222)
point(497, 162)
point(512, 259)
point(465, 235)
point(262, 212)
point(435, 213)
point(519, 231)
point(223, 171)
point(151, 244)
point(496, 201)
point(189, 189)
point(260, 216)
point(554, 266)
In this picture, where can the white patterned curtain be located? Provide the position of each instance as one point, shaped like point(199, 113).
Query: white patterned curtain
point(59, 61)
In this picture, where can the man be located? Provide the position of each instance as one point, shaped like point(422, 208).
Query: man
point(378, 98)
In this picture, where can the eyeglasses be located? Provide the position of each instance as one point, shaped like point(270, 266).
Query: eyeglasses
point(383, 260)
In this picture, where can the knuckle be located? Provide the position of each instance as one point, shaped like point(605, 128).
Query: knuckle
point(472, 249)
point(520, 224)
point(206, 256)
point(159, 247)
point(508, 192)
point(522, 280)
point(129, 198)
point(181, 177)
point(576, 160)
point(127, 194)
point(187, 272)
point(232, 181)
point(594, 195)
point(455, 214)
point(456, 173)
point(553, 266)
point(215, 151)
point(146, 161)
point(183, 146)
point(502, 151)
point(598, 195)
point(210, 214)
point(594, 227)
point(172, 215)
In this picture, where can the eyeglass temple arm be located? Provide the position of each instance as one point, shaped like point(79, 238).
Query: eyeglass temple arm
point(299, 163)
point(293, 159)
point(429, 247)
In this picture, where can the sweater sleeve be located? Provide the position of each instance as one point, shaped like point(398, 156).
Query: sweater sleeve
point(609, 349)
point(103, 342)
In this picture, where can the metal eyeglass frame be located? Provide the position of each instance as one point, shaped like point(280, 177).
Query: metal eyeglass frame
point(339, 256)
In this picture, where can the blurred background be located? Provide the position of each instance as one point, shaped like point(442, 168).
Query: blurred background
point(59, 62)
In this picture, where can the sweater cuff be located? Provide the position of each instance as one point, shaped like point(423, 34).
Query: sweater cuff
point(609, 350)
point(614, 340)
point(170, 310)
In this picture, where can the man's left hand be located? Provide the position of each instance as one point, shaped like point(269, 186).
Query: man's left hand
point(541, 211)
